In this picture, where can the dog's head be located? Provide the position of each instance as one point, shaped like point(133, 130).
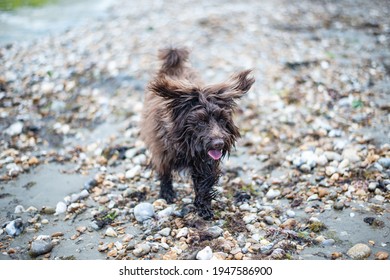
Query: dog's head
point(202, 117)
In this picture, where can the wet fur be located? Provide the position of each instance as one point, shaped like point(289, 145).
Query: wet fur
point(183, 119)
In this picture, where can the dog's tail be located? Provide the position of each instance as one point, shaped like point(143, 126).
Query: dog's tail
point(173, 60)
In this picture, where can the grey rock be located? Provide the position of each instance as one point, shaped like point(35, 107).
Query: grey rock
point(385, 162)
point(339, 205)
point(372, 186)
point(290, 213)
point(165, 213)
point(269, 220)
point(328, 242)
point(143, 211)
point(41, 245)
point(165, 231)
point(141, 250)
point(214, 231)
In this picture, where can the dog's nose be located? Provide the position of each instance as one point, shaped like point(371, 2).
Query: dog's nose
point(217, 144)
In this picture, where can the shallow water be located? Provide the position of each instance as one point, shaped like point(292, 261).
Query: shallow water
point(25, 20)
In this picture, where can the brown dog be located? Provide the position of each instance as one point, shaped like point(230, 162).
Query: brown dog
point(187, 125)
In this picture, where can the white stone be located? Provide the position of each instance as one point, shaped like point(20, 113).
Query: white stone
point(271, 194)
point(143, 211)
point(60, 208)
point(183, 232)
point(205, 254)
point(111, 232)
point(14, 129)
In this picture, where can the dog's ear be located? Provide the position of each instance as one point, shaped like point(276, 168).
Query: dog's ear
point(234, 88)
point(172, 89)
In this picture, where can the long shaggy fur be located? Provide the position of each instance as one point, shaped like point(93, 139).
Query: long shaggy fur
point(187, 125)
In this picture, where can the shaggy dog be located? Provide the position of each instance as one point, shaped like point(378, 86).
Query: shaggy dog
point(188, 125)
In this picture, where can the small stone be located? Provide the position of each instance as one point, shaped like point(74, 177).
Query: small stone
point(165, 213)
point(57, 234)
point(249, 218)
point(330, 170)
point(328, 242)
point(290, 213)
point(19, 209)
point(305, 168)
point(321, 160)
point(60, 208)
point(323, 192)
point(111, 232)
point(359, 252)
point(41, 245)
point(143, 211)
point(14, 129)
point(238, 256)
point(48, 210)
point(269, 220)
point(385, 162)
point(127, 237)
point(336, 255)
point(132, 173)
point(15, 227)
point(313, 197)
point(112, 253)
point(141, 250)
point(81, 229)
point(271, 194)
point(33, 161)
point(170, 255)
point(332, 156)
point(90, 184)
point(219, 256)
point(381, 255)
point(351, 155)
point(214, 231)
point(205, 254)
point(165, 231)
point(339, 205)
point(183, 232)
point(372, 186)
point(344, 164)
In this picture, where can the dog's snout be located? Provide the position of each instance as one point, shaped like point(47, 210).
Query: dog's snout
point(217, 144)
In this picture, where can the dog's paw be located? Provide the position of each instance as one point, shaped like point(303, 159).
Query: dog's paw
point(205, 213)
point(169, 196)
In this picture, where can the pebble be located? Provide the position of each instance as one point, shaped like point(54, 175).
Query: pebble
point(141, 250)
point(60, 208)
point(165, 231)
point(14, 129)
point(183, 232)
point(143, 211)
point(330, 170)
point(165, 213)
point(15, 227)
point(313, 197)
point(290, 213)
point(41, 245)
point(328, 242)
point(351, 155)
point(111, 232)
point(321, 160)
point(214, 231)
point(359, 251)
point(381, 255)
point(132, 173)
point(385, 162)
point(205, 254)
point(339, 205)
point(19, 209)
point(249, 218)
point(372, 186)
point(271, 194)
point(269, 220)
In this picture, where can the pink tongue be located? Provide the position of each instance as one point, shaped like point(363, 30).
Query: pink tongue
point(215, 154)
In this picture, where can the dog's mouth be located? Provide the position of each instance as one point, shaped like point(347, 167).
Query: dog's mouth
point(215, 154)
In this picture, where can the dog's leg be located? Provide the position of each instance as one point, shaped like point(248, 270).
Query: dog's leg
point(204, 180)
point(166, 189)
